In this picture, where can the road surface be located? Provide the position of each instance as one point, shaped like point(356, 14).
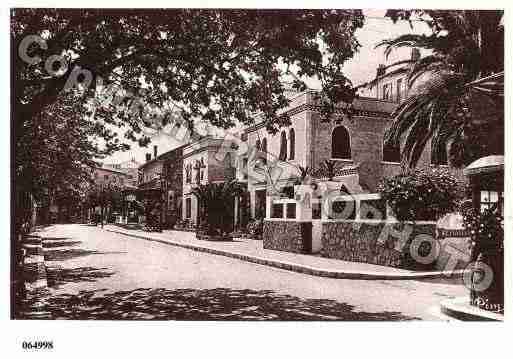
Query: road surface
point(95, 274)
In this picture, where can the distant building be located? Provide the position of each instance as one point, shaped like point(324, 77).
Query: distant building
point(105, 175)
point(160, 184)
point(130, 167)
point(390, 81)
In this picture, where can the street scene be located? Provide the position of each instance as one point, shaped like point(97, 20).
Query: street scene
point(257, 164)
point(95, 274)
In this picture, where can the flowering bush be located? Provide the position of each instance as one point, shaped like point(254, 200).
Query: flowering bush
point(421, 194)
point(486, 230)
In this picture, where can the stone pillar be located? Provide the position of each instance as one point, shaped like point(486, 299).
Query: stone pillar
point(268, 204)
point(303, 195)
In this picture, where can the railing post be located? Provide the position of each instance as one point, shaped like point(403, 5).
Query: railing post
point(357, 203)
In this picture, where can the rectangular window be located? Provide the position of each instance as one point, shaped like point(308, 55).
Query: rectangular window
point(386, 91)
point(187, 208)
point(260, 202)
point(399, 90)
point(316, 210)
point(291, 210)
point(490, 198)
point(245, 168)
point(277, 210)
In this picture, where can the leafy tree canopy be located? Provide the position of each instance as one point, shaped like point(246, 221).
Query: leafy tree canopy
point(218, 65)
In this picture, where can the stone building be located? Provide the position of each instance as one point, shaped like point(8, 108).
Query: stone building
point(204, 161)
point(356, 144)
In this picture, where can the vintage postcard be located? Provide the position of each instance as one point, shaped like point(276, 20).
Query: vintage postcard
point(192, 166)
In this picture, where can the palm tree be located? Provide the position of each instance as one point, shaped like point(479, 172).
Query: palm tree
point(304, 172)
point(216, 202)
point(447, 102)
point(329, 169)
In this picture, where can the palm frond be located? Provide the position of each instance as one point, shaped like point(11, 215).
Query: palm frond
point(432, 42)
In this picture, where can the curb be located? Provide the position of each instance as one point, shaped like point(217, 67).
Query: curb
point(460, 309)
point(318, 272)
point(34, 268)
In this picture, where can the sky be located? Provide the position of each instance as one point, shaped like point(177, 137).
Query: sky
point(361, 68)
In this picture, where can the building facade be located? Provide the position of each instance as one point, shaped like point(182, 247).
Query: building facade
point(205, 161)
point(130, 167)
point(390, 83)
point(356, 144)
point(160, 185)
point(107, 175)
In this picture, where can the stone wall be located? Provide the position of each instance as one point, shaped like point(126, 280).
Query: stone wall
point(288, 236)
point(454, 253)
point(359, 243)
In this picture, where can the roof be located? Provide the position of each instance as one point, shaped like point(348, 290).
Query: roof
point(486, 164)
point(161, 156)
point(380, 77)
point(109, 170)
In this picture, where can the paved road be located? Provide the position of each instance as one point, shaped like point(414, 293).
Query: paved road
point(94, 274)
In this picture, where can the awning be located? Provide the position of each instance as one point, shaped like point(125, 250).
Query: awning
point(486, 164)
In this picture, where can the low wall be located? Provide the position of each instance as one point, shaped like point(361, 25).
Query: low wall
point(454, 253)
point(289, 236)
point(375, 242)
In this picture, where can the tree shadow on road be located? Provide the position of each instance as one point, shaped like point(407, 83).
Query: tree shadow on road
point(56, 244)
point(60, 239)
point(57, 275)
point(36, 305)
point(205, 304)
point(52, 255)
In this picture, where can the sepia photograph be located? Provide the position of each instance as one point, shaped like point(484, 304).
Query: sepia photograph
point(256, 164)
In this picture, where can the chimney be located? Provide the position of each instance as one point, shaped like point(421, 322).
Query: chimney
point(380, 70)
point(155, 152)
point(148, 157)
point(415, 54)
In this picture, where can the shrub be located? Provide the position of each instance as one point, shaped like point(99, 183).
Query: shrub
point(216, 201)
point(486, 230)
point(421, 194)
point(487, 246)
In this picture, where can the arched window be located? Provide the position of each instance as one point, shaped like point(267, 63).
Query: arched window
point(391, 152)
point(264, 150)
point(292, 141)
point(258, 145)
point(283, 146)
point(340, 143)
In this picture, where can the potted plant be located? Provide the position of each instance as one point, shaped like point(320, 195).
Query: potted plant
point(326, 174)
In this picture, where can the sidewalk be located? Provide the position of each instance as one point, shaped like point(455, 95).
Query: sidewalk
point(460, 309)
point(252, 251)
